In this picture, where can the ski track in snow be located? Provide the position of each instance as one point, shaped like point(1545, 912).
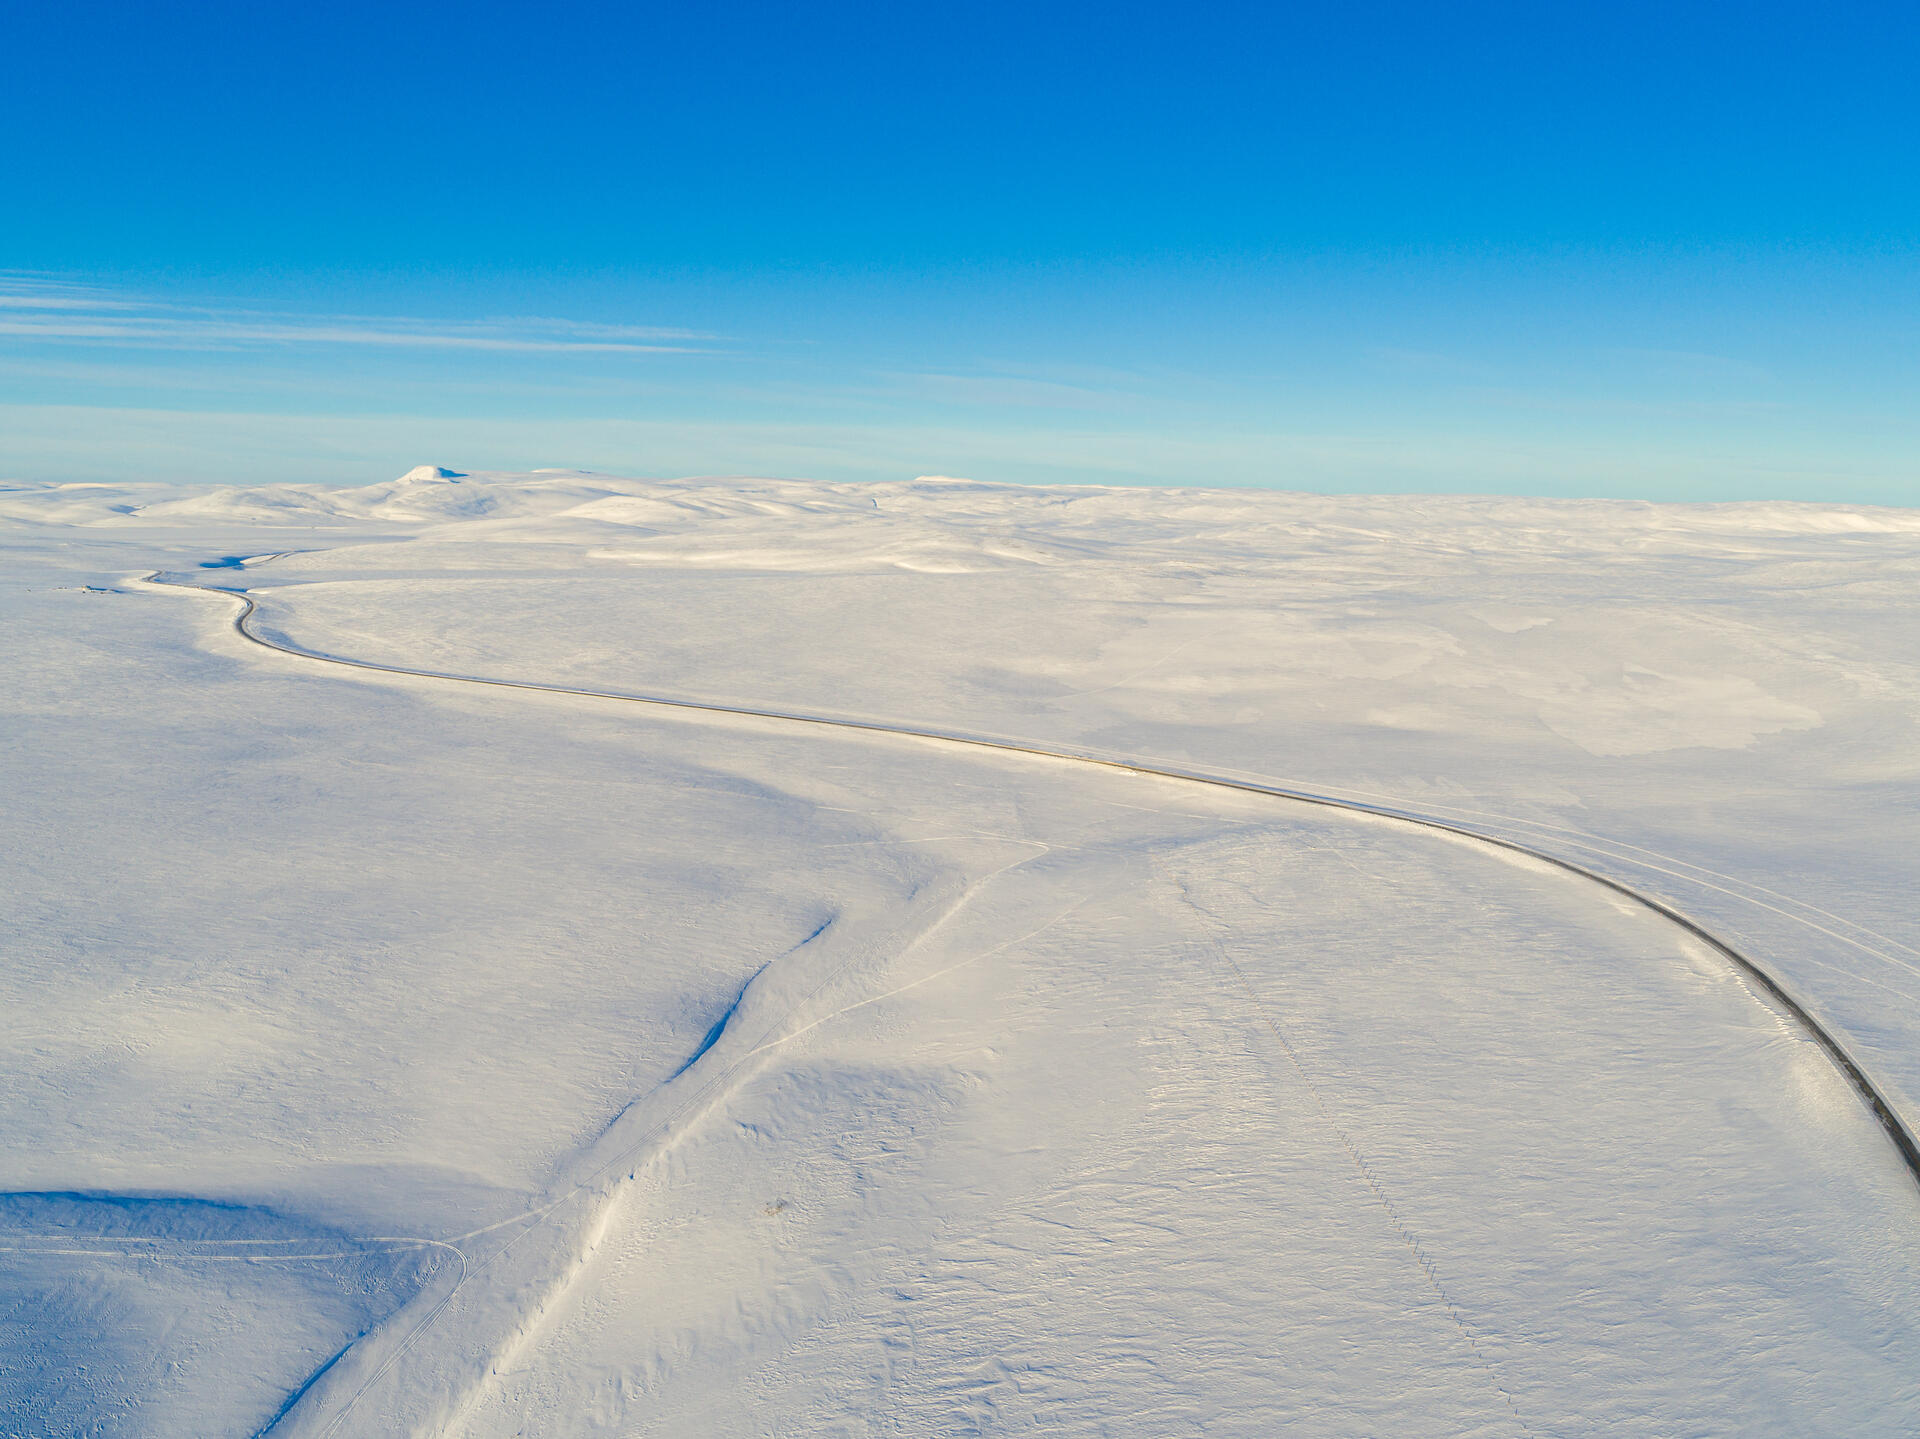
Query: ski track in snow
point(583, 1199)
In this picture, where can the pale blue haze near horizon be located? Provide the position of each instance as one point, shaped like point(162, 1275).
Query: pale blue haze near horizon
point(1663, 252)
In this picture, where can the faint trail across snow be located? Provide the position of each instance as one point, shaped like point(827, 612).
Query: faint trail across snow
point(533, 1286)
point(1417, 1250)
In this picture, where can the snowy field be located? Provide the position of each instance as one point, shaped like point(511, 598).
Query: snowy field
point(383, 1054)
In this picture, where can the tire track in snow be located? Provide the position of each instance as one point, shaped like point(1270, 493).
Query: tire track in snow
point(1895, 1129)
point(1416, 1249)
point(1687, 871)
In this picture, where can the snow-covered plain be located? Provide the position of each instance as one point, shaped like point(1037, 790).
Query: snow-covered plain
point(389, 1055)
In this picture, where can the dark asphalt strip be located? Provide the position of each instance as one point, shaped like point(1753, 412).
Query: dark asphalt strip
point(1896, 1130)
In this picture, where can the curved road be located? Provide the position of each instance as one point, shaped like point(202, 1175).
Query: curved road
point(1895, 1128)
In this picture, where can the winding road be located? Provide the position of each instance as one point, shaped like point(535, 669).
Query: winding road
point(578, 1210)
point(1901, 1137)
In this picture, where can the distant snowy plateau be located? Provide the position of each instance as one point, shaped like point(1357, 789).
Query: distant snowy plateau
point(387, 1053)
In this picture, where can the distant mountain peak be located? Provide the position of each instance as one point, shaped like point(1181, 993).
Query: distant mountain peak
point(429, 472)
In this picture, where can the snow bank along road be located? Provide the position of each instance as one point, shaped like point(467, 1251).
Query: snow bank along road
point(534, 1254)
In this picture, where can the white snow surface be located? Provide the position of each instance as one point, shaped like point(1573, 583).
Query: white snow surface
point(387, 1055)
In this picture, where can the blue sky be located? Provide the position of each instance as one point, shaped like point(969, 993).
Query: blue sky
point(1661, 251)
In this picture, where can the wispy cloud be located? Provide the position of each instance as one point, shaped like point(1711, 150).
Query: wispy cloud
point(35, 308)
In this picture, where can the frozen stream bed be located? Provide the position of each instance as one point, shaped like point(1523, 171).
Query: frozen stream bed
point(388, 1055)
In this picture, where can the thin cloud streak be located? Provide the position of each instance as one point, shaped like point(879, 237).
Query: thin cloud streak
point(33, 309)
point(220, 334)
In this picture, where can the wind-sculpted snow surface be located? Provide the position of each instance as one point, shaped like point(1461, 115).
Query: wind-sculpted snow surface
point(623, 1070)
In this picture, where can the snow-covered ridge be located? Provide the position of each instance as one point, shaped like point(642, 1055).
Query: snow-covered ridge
point(433, 493)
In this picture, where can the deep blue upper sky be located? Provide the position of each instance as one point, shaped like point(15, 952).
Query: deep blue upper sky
point(1622, 248)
